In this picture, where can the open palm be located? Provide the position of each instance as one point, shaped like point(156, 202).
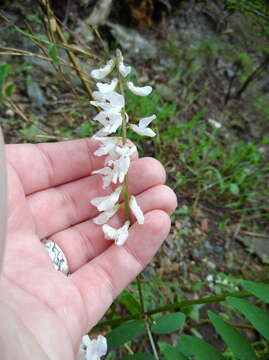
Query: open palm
point(50, 188)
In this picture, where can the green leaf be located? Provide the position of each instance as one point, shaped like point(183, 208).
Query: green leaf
point(39, 37)
point(139, 356)
point(234, 189)
point(233, 338)
point(5, 70)
point(125, 332)
point(53, 53)
point(200, 349)
point(257, 289)
point(130, 303)
point(170, 352)
point(9, 90)
point(169, 323)
point(258, 318)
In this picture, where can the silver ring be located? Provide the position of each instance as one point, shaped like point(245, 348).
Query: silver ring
point(57, 256)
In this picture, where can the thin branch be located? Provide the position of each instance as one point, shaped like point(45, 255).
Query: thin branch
point(45, 8)
point(252, 76)
point(175, 306)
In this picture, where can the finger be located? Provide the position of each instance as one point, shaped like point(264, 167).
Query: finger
point(3, 198)
point(85, 241)
point(70, 203)
point(41, 166)
point(102, 279)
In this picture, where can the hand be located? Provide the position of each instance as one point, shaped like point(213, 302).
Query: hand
point(50, 188)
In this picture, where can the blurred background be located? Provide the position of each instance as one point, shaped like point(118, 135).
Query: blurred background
point(208, 63)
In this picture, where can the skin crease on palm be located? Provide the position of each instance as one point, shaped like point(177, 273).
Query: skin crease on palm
point(44, 314)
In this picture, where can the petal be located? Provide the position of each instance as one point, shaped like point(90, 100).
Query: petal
point(106, 215)
point(104, 88)
point(104, 171)
point(144, 122)
point(105, 203)
point(101, 104)
point(86, 340)
point(123, 69)
point(125, 150)
point(101, 73)
point(108, 175)
point(136, 210)
point(108, 144)
point(119, 235)
point(116, 99)
point(141, 91)
point(101, 345)
point(122, 234)
point(101, 117)
point(142, 131)
point(109, 232)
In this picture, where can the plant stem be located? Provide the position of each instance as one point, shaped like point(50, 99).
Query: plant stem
point(179, 305)
point(50, 15)
point(147, 326)
point(151, 340)
point(124, 140)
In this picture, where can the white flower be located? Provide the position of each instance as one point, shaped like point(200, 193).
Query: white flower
point(107, 173)
point(141, 91)
point(119, 235)
point(125, 150)
point(214, 123)
point(110, 120)
point(111, 117)
point(105, 203)
point(106, 215)
point(101, 73)
point(92, 349)
point(121, 165)
point(108, 144)
point(136, 210)
point(120, 169)
point(142, 128)
point(104, 88)
point(123, 69)
point(108, 100)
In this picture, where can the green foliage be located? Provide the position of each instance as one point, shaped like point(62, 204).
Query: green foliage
point(199, 348)
point(6, 89)
point(232, 337)
point(127, 299)
point(139, 356)
point(168, 323)
point(260, 290)
point(258, 317)
point(124, 333)
point(53, 53)
point(170, 352)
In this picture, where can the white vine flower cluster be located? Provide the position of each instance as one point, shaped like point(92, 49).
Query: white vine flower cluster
point(92, 349)
point(112, 116)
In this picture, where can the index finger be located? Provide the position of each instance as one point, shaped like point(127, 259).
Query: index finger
point(40, 166)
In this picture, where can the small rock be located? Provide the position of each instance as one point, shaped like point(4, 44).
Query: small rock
point(132, 41)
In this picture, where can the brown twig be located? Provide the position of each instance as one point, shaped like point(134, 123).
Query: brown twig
point(44, 4)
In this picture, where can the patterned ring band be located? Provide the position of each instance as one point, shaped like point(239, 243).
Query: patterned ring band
point(57, 256)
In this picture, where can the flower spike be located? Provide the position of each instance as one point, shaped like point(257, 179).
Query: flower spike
point(118, 152)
